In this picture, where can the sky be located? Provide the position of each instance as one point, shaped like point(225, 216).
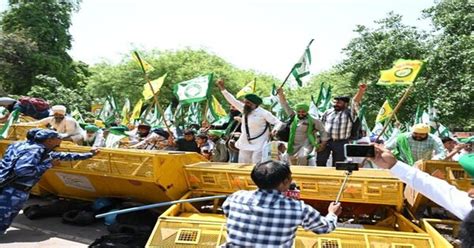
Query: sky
point(267, 36)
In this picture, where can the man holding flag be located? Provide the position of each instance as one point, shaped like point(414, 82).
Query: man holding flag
point(303, 132)
point(255, 125)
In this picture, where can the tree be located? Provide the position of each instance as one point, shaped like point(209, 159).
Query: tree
point(126, 79)
point(376, 49)
point(16, 50)
point(451, 62)
point(45, 23)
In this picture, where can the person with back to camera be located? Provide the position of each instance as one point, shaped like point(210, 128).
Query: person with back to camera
point(266, 217)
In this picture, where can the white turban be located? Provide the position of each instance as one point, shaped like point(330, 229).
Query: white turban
point(60, 109)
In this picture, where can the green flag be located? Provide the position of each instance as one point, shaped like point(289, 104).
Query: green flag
point(194, 90)
point(193, 115)
point(301, 68)
point(108, 113)
point(168, 116)
point(77, 116)
point(6, 126)
point(313, 109)
point(324, 99)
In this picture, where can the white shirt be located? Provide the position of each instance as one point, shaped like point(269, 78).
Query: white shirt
point(439, 191)
point(257, 119)
point(98, 138)
point(67, 126)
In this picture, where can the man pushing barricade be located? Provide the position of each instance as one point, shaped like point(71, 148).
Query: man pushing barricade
point(22, 167)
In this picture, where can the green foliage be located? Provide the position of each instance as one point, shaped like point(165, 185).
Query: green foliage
point(453, 17)
point(451, 62)
point(53, 90)
point(45, 23)
point(447, 79)
point(127, 80)
point(16, 51)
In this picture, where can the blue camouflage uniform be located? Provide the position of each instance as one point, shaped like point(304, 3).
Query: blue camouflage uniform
point(32, 160)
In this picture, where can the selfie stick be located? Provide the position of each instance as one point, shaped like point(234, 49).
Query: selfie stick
point(348, 173)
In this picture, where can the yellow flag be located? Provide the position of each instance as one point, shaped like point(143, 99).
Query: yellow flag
point(95, 109)
point(142, 63)
point(217, 107)
point(404, 72)
point(247, 89)
point(137, 110)
point(99, 123)
point(156, 84)
point(385, 112)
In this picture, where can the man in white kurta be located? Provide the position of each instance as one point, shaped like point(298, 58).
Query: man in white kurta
point(66, 126)
point(255, 125)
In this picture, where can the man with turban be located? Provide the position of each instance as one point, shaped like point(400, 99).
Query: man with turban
point(66, 126)
point(303, 132)
point(256, 123)
point(219, 152)
point(148, 140)
point(416, 145)
point(94, 136)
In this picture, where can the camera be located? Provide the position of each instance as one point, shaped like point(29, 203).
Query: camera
point(359, 150)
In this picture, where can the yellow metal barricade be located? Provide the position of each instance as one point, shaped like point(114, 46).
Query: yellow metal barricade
point(183, 225)
point(441, 231)
point(452, 172)
point(139, 175)
point(18, 132)
point(371, 186)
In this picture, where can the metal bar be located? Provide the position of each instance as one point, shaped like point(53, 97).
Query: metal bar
point(161, 204)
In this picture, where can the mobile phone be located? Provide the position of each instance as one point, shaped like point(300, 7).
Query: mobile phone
point(359, 150)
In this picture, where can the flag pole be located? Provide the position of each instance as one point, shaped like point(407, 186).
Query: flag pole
point(289, 74)
point(395, 110)
point(155, 97)
point(155, 101)
point(254, 85)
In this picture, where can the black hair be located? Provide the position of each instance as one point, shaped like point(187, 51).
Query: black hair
point(467, 230)
point(189, 132)
point(202, 136)
point(270, 174)
point(446, 139)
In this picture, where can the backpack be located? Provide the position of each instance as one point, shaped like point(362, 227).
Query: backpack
point(356, 130)
point(284, 133)
point(37, 104)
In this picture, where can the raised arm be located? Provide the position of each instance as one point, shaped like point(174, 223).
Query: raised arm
point(360, 93)
point(229, 97)
point(284, 102)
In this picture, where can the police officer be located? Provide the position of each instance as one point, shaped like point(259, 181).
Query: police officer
point(27, 162)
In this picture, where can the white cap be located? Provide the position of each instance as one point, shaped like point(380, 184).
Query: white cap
point(60, 109)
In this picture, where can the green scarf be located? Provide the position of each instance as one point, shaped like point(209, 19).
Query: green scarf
point(309, 133)
point(403, 151)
